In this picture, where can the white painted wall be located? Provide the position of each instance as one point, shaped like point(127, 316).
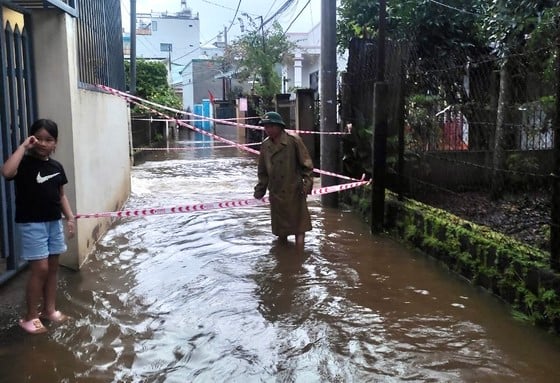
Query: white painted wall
point(305, 58)
point(94, 131)
point(180, 31)
point(309, 50)
point(188, 86)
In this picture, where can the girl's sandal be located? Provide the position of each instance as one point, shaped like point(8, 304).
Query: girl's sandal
point(33, 326)
point(55, 316)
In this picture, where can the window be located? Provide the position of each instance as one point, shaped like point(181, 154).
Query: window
point(166, 47)
point(99, 31)
point(154, 25)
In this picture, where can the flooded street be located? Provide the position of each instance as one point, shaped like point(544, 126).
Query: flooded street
point(211, 297)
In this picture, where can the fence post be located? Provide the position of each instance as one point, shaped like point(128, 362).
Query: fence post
point(305, 118)
point(379, 148)
point(379, 141)
point(329, 151)
point(555, 213)
point(282, 104)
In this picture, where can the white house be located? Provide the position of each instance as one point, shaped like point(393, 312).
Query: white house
point(174, 38)
point(302, 71)
point(170, 37)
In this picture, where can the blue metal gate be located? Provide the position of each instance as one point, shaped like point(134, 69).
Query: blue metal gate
point(17, 110)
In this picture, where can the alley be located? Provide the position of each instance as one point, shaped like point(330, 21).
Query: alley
point(210, 296)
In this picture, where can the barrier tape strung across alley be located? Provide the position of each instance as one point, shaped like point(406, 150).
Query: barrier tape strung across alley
point(140, 102)
point(197, 147)
point(237, 124)
point(151, 119)
point(211, 205)
point(214, 205)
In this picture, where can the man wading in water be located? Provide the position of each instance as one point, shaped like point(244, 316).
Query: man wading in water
point(285, 169)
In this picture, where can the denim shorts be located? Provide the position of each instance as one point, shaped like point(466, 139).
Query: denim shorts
point(40, 239)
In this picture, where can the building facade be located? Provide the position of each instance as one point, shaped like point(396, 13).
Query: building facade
point(302, 71)
point(170, 37)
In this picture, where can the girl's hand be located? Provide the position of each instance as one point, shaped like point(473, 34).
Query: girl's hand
point(71, 227)
point(30, 142)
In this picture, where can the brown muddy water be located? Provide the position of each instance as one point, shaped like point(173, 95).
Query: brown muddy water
point(210, 297)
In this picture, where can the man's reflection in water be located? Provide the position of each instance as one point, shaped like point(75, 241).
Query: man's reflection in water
point(280, 278)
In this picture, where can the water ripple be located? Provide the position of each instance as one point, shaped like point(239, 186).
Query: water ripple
point(210, 296)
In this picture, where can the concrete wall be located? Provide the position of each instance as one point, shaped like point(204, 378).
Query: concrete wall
point(93, 144)
point(199, 77)
point(180, 31)
point(188, 86)
point(102, 162)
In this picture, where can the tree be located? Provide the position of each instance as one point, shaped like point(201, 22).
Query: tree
point(152, 85)
point(514, 29)
point(457, 32)
point(436, 35)
point(254, 56)
point(434, 29)
point(430, 36)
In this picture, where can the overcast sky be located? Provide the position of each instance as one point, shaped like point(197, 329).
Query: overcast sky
point(216, 14)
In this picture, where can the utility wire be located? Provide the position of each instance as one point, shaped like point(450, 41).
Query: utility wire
point(453, 8)
point(199, 47)
point(280, 10)
point(298, 15)
point(224, 7)
point(312, 18)
point(234, 16)
point(270, 9)
point(218, 5)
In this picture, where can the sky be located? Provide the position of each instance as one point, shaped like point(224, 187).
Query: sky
point(215, 15)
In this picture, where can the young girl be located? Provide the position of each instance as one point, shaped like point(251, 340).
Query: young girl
point(40, 201)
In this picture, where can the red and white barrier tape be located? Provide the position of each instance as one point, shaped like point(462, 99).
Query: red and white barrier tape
point(211, 205)
point(141, 101)
point(197, 147)
point(198, 130)
point(132, 99)
point(218, 120)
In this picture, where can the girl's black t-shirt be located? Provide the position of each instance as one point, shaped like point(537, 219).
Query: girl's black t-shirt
point(37, 184)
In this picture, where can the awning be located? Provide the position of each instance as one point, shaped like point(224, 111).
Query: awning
point(68, 6)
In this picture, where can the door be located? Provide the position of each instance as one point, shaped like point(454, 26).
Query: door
point(17, 110)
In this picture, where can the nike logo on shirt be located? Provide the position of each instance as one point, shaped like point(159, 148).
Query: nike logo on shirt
point(40, 179)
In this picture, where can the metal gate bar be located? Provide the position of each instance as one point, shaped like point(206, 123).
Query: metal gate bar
point(16, 111)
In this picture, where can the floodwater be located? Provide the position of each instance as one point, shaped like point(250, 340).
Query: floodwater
point(210, 297)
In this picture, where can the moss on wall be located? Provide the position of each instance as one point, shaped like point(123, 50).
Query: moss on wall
point(513, 271)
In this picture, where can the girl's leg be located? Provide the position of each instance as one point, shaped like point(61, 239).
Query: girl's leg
point(49, 288)
point(35, 285)
point(300, 238)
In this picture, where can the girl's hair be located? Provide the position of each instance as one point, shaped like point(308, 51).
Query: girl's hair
point(49, 125)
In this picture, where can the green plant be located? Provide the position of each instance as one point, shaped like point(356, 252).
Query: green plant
point(356, 150)
point(522, 169)
point(152, 85)
point(422, 127)
point(158, 137)
point(255, 56)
